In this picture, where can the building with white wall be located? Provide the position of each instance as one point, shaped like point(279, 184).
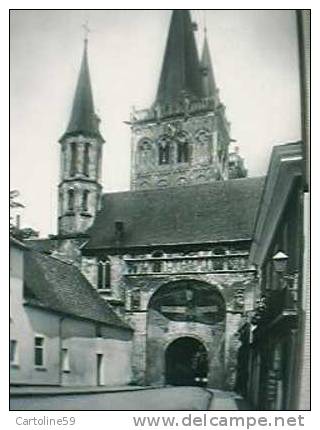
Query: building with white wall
point(61, 331)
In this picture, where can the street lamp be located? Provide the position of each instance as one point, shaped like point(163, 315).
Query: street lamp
point(280, 261)
point(288, 281)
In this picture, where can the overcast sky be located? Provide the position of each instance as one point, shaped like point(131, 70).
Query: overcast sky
point(255, 62)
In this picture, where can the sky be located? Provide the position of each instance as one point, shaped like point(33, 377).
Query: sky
point(255, 61)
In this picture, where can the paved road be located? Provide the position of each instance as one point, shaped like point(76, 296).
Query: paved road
point(227, 401)
point(175, 398)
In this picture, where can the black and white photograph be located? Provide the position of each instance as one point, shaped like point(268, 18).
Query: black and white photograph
point(159, 210)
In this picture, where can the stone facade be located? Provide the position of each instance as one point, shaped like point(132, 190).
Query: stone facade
point(181, 146)
point(137, 278)
point(183, 139)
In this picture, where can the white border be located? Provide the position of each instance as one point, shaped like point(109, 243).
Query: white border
point(113, 419)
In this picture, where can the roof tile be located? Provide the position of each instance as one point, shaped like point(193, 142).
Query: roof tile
point(207, 213)
point(61, 287)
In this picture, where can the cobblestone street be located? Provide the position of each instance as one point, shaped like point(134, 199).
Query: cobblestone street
point(173, 398)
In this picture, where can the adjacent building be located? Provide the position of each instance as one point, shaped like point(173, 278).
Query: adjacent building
point(272, 337)
point(61, 331)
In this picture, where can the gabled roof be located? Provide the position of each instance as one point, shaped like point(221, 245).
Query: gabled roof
point(181, 73)
point(53, 284)
point(83, 118)
point(207, 213)
point(17, 243)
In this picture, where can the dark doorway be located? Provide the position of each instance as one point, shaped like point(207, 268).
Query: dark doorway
point(186, 362)
point(100, 369)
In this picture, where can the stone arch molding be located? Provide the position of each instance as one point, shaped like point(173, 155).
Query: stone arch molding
point(175, 280)
point(175, 336)
point(189, 301)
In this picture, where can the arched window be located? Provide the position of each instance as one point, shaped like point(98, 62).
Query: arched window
point(145, 152)
point(64, 161)
point(164, 150)
point(219, 250)
point(71, 200)
point(104, 275)
point(183, 149)
point(86, 159)
point(74, 155)
point(85, 198)
point(99, 161)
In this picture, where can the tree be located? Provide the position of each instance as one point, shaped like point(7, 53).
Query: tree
point(14, 204)
point(15, 230)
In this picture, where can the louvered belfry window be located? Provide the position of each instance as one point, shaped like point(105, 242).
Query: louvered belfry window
point(71, 200)
point(73, 163)
point(86, 159)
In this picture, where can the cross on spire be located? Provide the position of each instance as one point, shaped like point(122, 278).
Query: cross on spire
point(86, 30)
point(204, 23)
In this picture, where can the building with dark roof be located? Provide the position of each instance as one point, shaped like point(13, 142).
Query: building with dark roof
point(170, 256)
point(61, 331)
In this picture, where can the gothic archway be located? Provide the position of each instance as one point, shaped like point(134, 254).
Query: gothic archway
point(186, 362)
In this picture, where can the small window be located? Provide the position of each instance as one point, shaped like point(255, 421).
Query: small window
point(86, 159)
point(13, 351)
point(85, 198)
point(65, 360)
point(39, 351)
point(104, 275)
point(74, 155)
point(71, 200)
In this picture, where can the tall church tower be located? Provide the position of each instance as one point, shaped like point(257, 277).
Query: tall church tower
point(81, 157)
point(184, 137)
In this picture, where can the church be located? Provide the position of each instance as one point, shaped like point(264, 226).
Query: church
point(171, 255)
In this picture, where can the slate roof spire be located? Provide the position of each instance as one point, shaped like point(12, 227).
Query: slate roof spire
point(181, 72)
point(83, 118)
point(208, 80)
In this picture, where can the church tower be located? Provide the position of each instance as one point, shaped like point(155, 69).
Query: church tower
point(81, 157)
point(184, 137)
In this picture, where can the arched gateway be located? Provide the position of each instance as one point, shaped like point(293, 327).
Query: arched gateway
point(186, 334)
point(186, 361)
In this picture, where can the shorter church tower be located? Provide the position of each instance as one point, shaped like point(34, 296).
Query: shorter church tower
point(81, 157)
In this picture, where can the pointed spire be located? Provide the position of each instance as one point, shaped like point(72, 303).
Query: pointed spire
point(181, 74)
point(83, 118)
point(208, 80)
